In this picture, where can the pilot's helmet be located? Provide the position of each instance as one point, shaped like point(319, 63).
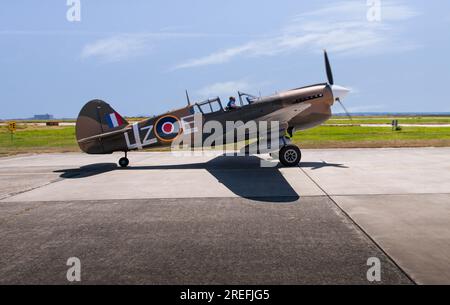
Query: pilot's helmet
point(232, 98)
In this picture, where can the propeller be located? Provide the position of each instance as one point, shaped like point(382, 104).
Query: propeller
point(345, 109)
point(339, 92)
point(328, 68)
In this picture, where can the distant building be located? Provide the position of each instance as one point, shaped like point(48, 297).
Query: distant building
point(43, 117)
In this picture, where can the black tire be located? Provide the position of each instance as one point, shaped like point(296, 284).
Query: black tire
point(290, 155)
point(123, 162)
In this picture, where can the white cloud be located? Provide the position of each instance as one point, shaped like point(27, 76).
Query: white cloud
point(390, 10)
point(224, 88)
point(341, 28)
point(230, 88)
point(121, 46)
point(116, 48)
point(215, 58)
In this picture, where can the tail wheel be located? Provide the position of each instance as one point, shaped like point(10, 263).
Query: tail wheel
point(123, 162)
point(290, 155)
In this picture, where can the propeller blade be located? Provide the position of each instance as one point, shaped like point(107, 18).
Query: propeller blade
point(328, 68)
point(345, 109)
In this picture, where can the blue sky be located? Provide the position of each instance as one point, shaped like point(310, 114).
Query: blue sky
point(140, 55)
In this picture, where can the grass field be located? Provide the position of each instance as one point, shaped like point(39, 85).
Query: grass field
point(30, 139)
point(39, 139)
point(356, 136)
point(388, 120)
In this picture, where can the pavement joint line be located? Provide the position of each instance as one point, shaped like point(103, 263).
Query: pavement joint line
point(30, 189)
point(24, 191)
point(2, 199)
point(359, 227)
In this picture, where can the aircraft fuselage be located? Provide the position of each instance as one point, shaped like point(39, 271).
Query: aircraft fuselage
point(299, 109)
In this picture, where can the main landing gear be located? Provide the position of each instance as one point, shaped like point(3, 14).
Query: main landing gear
point(123, 162)
point(290, 155)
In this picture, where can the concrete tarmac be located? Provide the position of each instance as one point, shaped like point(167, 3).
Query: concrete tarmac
point(226, 220)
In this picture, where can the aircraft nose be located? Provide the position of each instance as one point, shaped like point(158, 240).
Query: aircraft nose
point(339, 92)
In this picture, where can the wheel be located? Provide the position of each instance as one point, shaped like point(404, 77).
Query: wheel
point(123, 162)
point(290, 155)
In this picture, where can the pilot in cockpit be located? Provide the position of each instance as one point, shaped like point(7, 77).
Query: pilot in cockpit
point(232, 103)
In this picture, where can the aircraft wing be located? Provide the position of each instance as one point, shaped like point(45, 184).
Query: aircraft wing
point(285, 114)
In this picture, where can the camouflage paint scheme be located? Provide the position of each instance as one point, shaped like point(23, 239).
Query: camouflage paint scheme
point(298, 109)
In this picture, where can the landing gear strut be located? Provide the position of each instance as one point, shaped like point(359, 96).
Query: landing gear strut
point(290, 155)
point(123, 162)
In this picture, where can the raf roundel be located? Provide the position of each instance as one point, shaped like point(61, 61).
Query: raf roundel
point(167, 128)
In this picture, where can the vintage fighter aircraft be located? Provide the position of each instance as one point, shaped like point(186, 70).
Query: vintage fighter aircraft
point(101, 130)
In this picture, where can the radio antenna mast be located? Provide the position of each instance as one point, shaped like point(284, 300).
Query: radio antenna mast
point(187, 97)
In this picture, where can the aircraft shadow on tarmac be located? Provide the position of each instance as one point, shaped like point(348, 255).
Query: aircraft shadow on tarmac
point(242, 175)
point(319, 165)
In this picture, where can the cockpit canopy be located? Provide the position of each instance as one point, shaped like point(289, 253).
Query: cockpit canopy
point(209, 106)
point(215, 105)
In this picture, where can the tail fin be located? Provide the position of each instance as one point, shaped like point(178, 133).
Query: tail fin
point(95, 118)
